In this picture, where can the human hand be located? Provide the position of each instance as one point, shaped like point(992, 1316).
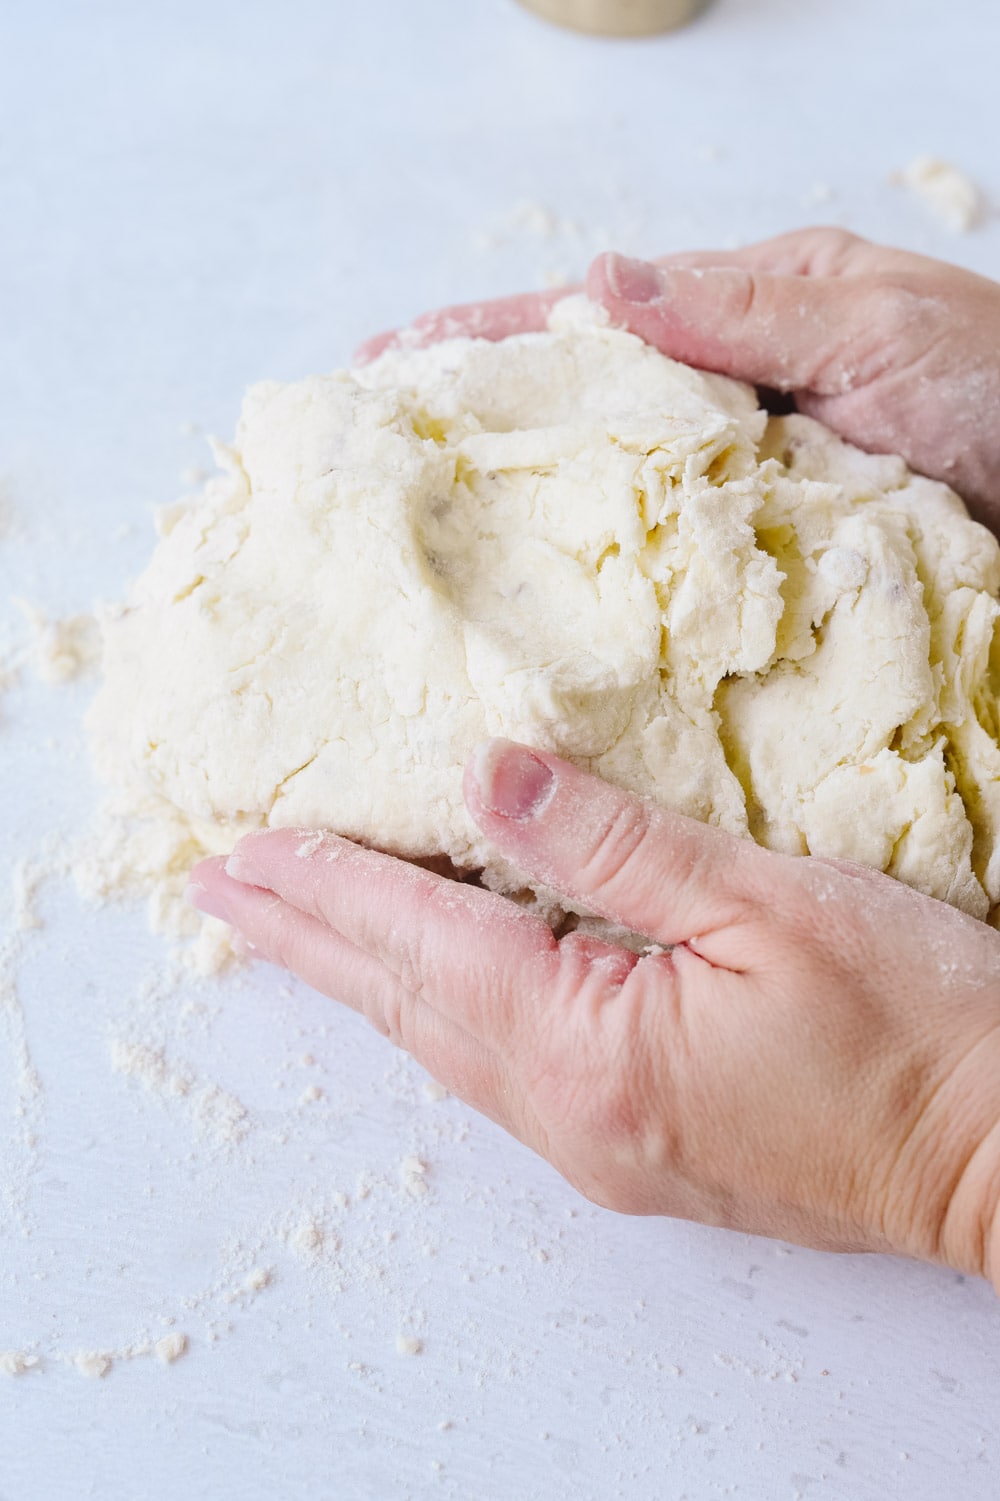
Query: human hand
point(817, 1058)
point(896, 352)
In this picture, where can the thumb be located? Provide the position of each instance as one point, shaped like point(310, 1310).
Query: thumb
point(787, 332)
point(669, 877)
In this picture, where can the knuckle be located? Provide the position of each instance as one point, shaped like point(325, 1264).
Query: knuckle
point(832, 248)
point(410, 940)
point(736, 292)
point(612, 1131)
point(282, 936)
point(904, 307)
point(617, 848)
point(889, 325)
point(750, 291)
point(408, 948)
point(386, 1013)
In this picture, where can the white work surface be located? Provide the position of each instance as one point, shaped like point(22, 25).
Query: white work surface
point(197, 194)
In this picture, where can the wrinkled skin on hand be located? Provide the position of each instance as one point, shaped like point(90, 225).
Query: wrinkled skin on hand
point(812, 1052)
point(896, 352)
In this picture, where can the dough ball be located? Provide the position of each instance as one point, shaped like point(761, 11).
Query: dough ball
point(571, 540)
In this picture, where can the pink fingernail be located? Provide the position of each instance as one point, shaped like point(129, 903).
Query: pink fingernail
point(633, 281)
point(209, 902)
point(512, 782)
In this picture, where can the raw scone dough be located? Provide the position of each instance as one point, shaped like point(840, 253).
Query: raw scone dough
point(568, 539)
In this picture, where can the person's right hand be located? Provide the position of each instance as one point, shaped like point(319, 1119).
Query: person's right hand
point(896, 352)
point(808, 1049)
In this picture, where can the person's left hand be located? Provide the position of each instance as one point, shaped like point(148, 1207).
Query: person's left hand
point(817, 1058)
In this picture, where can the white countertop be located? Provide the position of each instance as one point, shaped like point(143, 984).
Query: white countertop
point(195, 195)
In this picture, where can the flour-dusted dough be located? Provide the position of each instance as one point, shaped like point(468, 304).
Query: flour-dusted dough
point(568, 539)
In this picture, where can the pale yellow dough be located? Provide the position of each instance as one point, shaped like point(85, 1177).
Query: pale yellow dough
point(570, 540)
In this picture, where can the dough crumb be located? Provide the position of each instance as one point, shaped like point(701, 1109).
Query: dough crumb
point(93, 1363)
point(432, 1090)
point(306, 1239)
point(310, 1095)
point(406, 1344)
point(18, 1362)
point(170, 1348)
point(63, 649)
point(413, 1175)
point(949, 193)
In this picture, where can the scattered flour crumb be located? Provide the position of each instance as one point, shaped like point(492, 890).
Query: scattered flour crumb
point(149, 1066)
point(527, 220)
point(26, 1096)
point(406, 1344)
point(432, 1090)
point(950, 194)
point(255, 1281)
point(306, 1239)
point(819, 192)
point(310, 1094)
point(535, 218)
point(413, 1175)
point(26, 879)
point(17, 1362)
point(10, 665)
point(28, 876)
point(170, 1348)
point(93, 1363)
point(309, 846)
point(125, 854)
point(218, 1116)
point(64, 649)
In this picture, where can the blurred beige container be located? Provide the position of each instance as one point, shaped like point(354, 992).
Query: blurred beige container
point(618, 17)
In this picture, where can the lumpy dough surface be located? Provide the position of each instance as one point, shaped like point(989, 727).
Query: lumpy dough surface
point(570, 540)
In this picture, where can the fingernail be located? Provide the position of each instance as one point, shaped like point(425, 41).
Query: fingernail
point(633, 281)
point(512, 782)
point(208, 902)
point(239, 868)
